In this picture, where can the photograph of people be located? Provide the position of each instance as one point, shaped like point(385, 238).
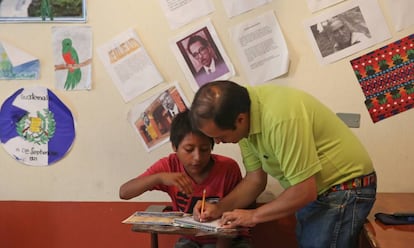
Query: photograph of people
point(343, 36)
point(340, 32)
point(169, 105)
point(152, 118)
point(202, 57)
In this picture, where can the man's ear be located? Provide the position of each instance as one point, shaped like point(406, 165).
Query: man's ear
point(242, 118)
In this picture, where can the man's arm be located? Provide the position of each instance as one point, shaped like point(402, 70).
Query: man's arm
point(244, 194)
point(287, 203)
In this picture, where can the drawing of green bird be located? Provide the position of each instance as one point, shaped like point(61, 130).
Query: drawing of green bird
point(71, 58)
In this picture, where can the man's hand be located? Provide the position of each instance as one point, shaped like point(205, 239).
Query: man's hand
point(238, 217)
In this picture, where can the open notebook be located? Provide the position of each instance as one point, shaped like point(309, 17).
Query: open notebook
point(213, 226)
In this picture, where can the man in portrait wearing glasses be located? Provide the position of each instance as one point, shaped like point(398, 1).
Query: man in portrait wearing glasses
point(211, 65)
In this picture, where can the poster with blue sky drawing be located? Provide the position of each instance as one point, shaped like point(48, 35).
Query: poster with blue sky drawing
point(17, 64)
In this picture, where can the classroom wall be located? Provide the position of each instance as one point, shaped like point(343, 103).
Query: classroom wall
point(106, 151)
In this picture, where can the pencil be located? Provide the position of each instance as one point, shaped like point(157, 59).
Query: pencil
point(203, 201)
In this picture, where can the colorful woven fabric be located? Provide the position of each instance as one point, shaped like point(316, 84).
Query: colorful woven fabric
point(386, 77)
point(358, 182)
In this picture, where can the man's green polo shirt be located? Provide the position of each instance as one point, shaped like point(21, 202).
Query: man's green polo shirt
point(294, 136)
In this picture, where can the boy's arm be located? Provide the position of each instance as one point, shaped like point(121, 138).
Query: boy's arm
point(139, 185)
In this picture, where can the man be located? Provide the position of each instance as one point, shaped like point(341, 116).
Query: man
point(169, 104)
point(343, 36)
point(212, 66)
point(327, 175)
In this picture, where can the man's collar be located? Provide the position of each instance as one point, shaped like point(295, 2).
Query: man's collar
point(211, 68)
point(255, 112)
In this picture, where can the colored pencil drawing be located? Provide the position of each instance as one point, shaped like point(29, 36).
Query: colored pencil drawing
point(72, 48)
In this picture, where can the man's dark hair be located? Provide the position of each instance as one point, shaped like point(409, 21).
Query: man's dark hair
point(220, 101)
point(196, 38)
point(181, 126)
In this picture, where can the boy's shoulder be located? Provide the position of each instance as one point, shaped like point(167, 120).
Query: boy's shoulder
point(172, 162)
point(224, 160)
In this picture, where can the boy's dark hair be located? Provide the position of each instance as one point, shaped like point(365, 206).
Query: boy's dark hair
point(181, 126)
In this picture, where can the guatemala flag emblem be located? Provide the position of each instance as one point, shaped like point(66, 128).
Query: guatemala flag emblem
point(36, 128)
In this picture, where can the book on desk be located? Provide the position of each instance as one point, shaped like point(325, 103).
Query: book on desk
point(153, 218)
point(174, 219)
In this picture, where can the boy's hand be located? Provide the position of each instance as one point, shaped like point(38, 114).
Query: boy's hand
point(211, 212)
point(179, 180)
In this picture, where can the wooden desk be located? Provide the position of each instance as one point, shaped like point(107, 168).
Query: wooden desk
point(154, 230)
point(375, 234)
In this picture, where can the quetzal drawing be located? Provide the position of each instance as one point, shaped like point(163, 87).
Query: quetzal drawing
point(71, 58)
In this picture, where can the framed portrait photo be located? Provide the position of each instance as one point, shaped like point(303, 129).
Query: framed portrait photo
point(201, 56)
point(15, 11)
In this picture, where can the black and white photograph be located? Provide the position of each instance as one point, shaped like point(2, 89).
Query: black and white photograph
point(347, 29)
point(340, 32)
point(201, 56)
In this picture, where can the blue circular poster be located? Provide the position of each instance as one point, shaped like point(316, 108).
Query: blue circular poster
point(36, 128)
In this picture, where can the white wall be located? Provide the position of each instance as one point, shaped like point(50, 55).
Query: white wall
point(107, 152)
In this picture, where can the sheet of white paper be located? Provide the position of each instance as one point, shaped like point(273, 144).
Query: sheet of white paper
point(261, 47)
point(401, 12)
point(17, 64)
point(151, 119)
point(315, 5)
point(237, 7)
point(129, 65)
point(363, 16)
point(195, 67)
point(181, 12)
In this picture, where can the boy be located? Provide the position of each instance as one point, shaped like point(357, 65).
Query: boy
point(184, 175)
